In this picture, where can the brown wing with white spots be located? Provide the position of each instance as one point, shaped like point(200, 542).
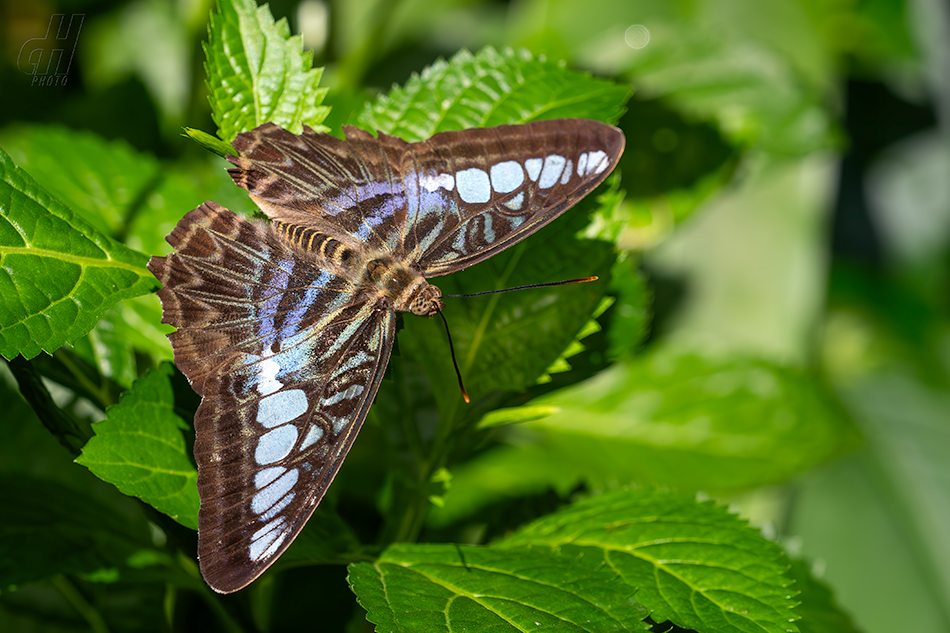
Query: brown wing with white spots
point(287, 358)
point(502, 184)
point(441, 204)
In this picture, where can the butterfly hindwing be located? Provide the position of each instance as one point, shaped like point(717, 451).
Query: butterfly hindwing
point(269, 458)
point(287, 359)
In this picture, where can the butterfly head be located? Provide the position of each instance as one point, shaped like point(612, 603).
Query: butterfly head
point(426, 301)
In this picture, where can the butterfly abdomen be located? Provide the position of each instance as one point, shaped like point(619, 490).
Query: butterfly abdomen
point(312, 241)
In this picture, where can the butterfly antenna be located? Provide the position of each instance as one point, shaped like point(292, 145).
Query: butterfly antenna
point(454, 362)
point(544, 285)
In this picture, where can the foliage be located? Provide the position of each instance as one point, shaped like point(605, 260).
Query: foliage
point(573, 494)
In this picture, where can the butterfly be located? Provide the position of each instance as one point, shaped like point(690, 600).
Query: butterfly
point(285, 328)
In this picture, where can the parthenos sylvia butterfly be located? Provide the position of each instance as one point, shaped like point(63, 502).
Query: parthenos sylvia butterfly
point(285, 329)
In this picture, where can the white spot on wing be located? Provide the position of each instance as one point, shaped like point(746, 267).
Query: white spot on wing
point(473, 185)
point(533, 165)
point(275, 445)
point(568, 170)
point(312, 437)
point(267, 377)
point(267, 496)
point(267, 539)
point(459, 242)
point(553, 166)
point(338, 423)
point(506, 176)
point(351, 392)
point(281, 407)
point(270, 551)
point(487, 230)
point(276, 508)
point(515, 203)
point(581, 164)
point(432, 183)
point(264, 477)
point(597, 162)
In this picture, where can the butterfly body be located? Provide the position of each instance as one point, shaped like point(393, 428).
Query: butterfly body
point(285, 329)
point(404, 288)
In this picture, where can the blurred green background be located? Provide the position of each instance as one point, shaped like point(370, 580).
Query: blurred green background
point(788, 175)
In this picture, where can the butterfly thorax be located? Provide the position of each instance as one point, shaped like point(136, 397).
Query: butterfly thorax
point(406, 289)
point(380, 274)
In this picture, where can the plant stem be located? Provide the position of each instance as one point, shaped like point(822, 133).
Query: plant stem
point(80, 604)
point(70, 433)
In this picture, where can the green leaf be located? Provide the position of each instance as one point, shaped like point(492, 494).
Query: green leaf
point(258, 73)
point(629, 318)
point(693, 564)
point(71, 432)
point(59, 274)
point(110, 352)
point(762, 76)
point(211, 143)
point(49, 529)
point(818, 611)
point(749, 89)
point(324, 539)
point(104, 181)
point(515, 415)
point(491, 88)
point(139, 323)
point(128, 195)
point(140, 448)
point(669, 418)
point(697, 422)
point(464, 588)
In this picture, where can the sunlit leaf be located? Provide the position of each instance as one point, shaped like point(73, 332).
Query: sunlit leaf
point(693, 564)
point(258, 73)
point(491, 88)
point(456, 588)
point(59, 274)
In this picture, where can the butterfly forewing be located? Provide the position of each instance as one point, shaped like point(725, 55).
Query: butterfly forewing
point(287, 359)
point(498, 185)
point(441, 204)
point(350, 189)
point(285, 332)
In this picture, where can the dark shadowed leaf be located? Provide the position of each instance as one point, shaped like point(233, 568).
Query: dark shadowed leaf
point(141, 449)
point(48, 529)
